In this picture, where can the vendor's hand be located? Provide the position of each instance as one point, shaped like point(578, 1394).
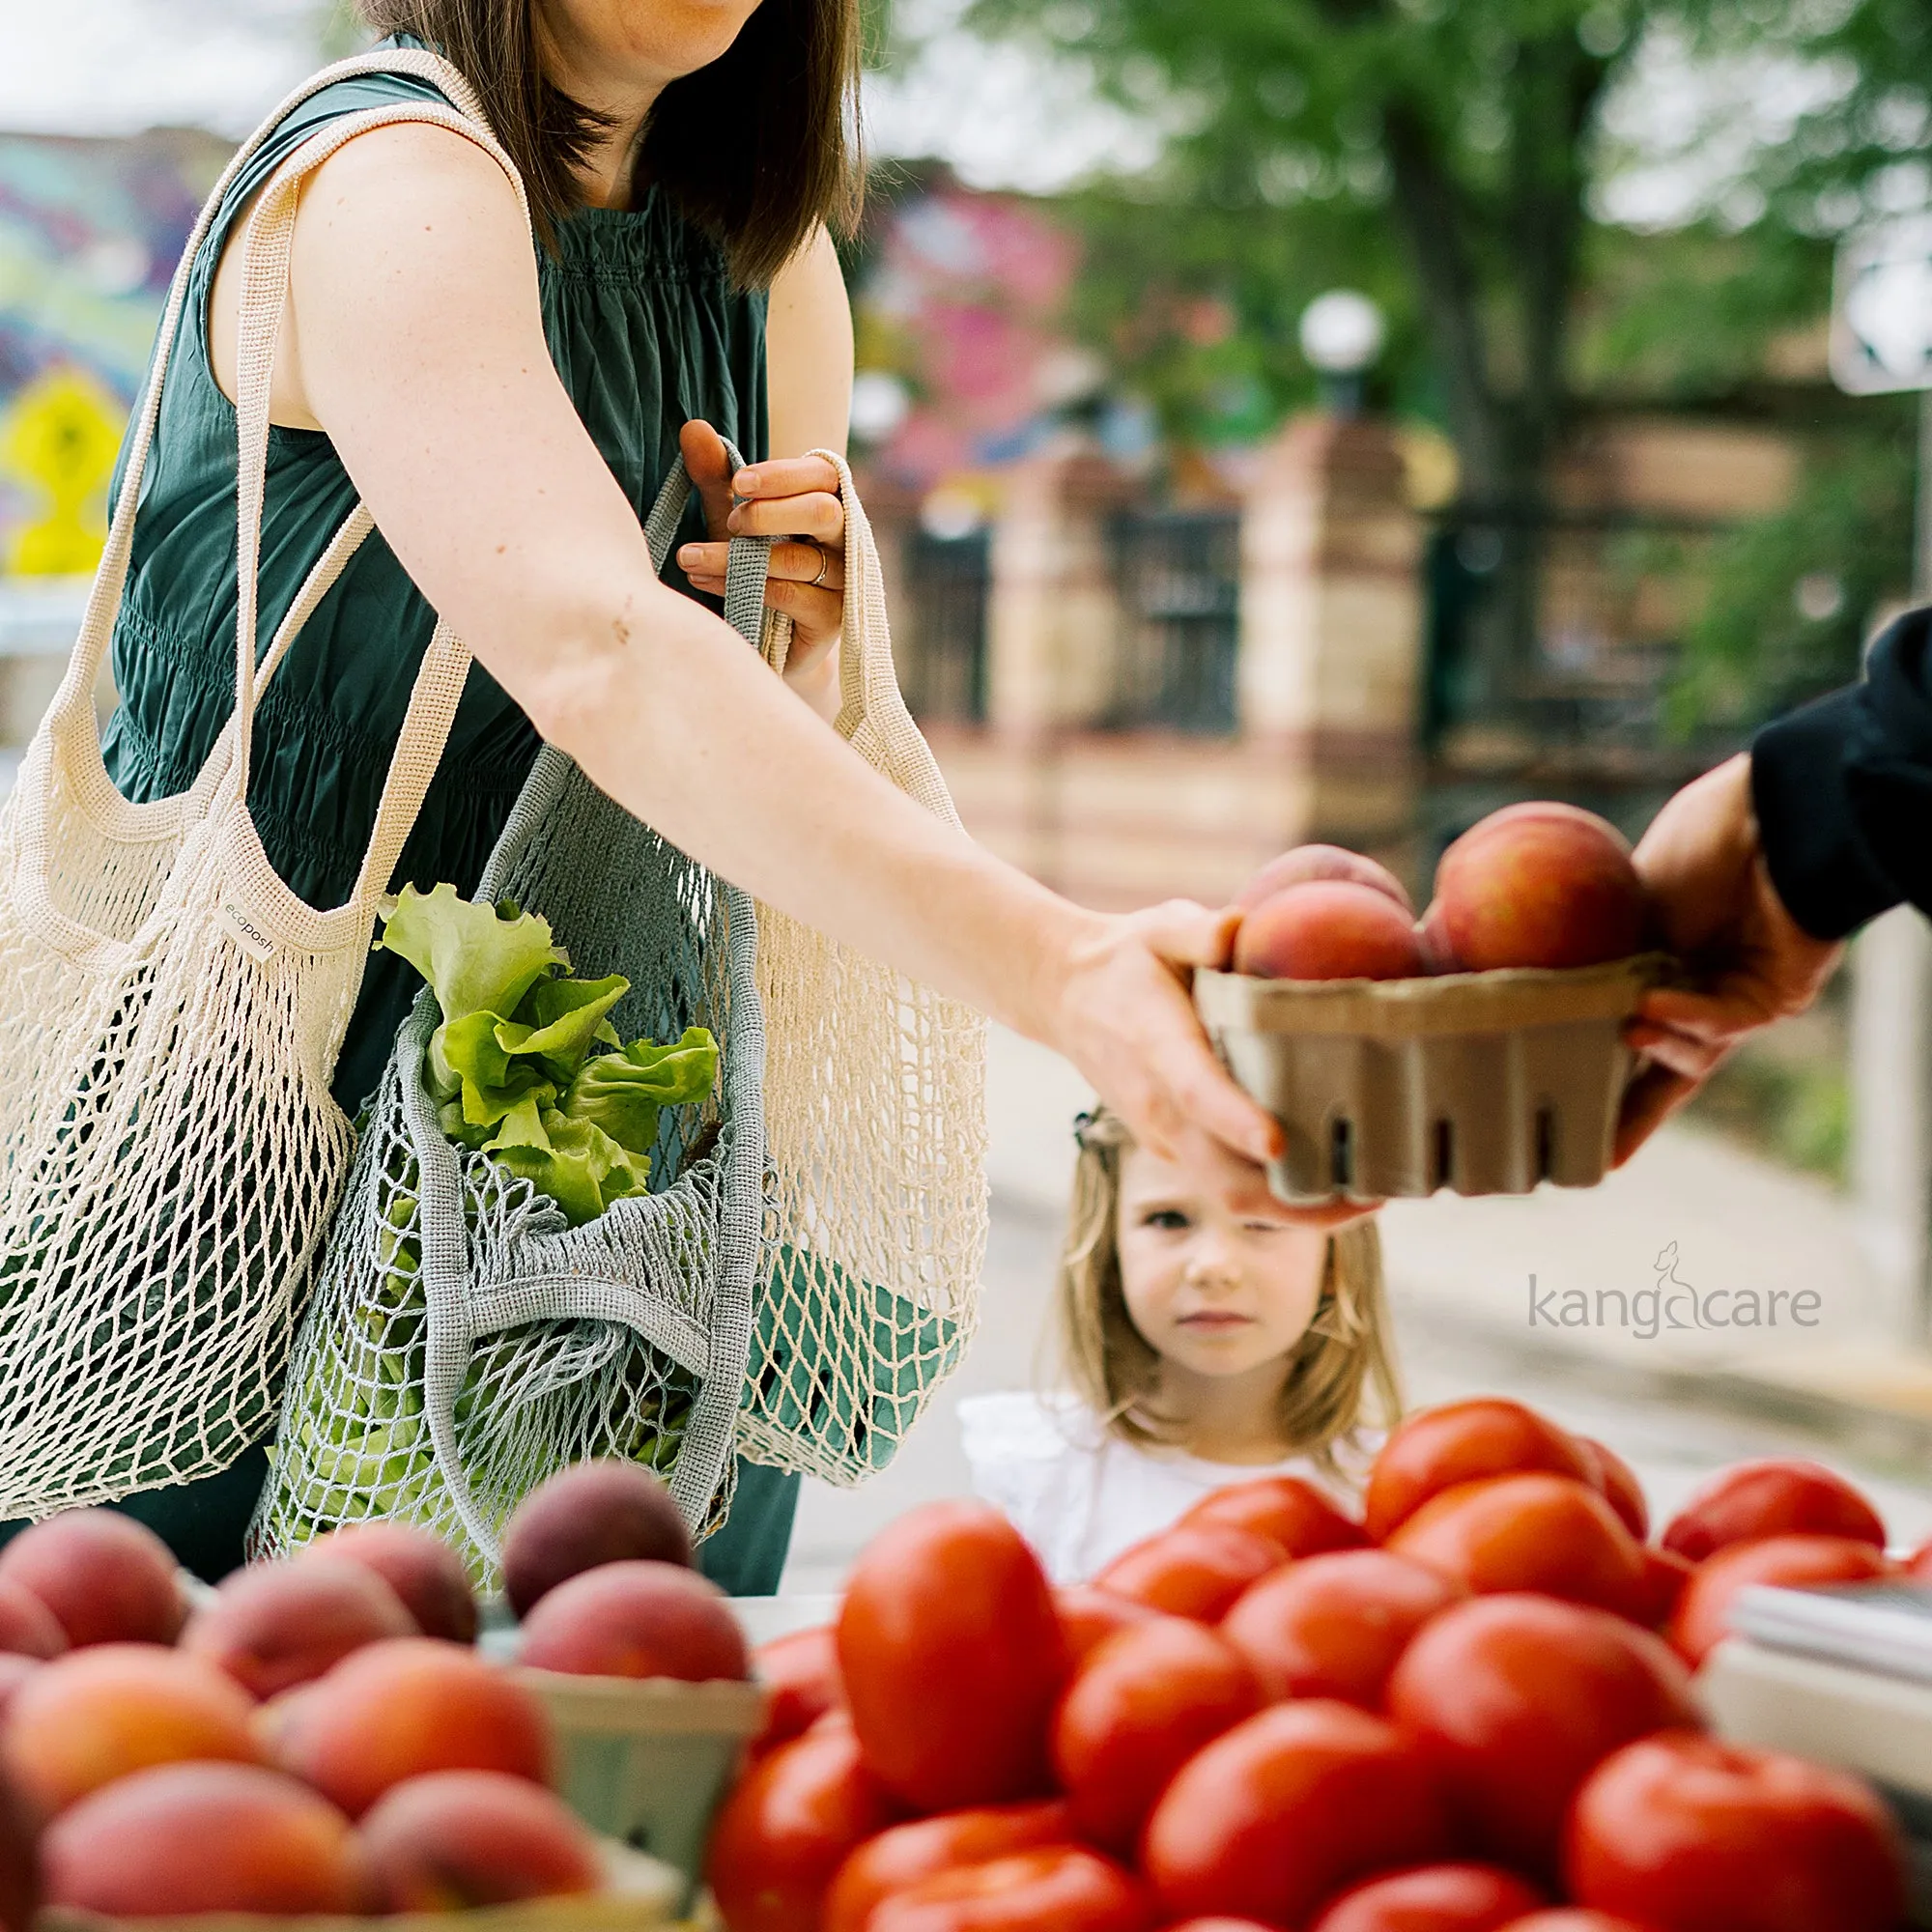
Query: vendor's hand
point(795, 497)
point(1719, 913)
point(1123, 1016)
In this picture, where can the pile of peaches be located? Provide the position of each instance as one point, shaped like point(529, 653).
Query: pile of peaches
point(1467, 1710)
point(1533, 885)
point(321, 1735)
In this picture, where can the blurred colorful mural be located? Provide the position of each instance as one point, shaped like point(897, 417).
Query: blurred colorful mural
point(90, 232)
point(956, 305)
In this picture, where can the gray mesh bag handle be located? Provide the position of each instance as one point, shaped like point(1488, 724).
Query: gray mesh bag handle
point(462, 1341)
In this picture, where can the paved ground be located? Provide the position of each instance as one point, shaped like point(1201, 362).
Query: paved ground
point(1678, 1401)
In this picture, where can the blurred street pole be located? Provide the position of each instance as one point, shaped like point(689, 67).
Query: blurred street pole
point(1881, 344)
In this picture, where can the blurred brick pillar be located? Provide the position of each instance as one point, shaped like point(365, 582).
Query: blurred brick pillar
point(1053, 619)
point(1053, 614)
point(1329, 677)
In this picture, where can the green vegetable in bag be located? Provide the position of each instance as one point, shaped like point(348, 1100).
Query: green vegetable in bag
point(514, 1067)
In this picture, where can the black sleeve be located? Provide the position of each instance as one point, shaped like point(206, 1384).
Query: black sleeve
point(1843, 791)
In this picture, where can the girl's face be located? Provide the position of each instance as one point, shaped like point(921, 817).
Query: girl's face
point(608, 47)
point(1211, 1291)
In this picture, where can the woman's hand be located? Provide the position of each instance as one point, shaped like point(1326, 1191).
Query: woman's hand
point(1702, 866)
point(795, 497)
point(1122, 1014)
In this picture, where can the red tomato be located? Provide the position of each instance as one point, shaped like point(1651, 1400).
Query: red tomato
point(1664, 1577)
point(1290, 1512)
point(1517, 1699)
point(1754, 1500)
point(1333, 1626)
point(909, 1854)
point(1462, 1443)
point(792, 1821)
point(1147, 1701)
point(1574, 1919)
point(953, 1658)
point(1432, 1898)
point(1088, 1617)
point(1688, 1834)
point(1619, 1484)
point(1703, 1613)
point(1536, 1532)
point(799, 1674)
point(1065, 1887)
point(1286, 1808)
point(1193, 1570)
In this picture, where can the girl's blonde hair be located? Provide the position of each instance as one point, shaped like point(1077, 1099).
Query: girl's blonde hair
point(1342, 1376)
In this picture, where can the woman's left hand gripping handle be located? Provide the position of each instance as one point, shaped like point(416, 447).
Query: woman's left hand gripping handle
point(796, 499)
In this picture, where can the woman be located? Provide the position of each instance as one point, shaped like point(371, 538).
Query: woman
point(507, 416)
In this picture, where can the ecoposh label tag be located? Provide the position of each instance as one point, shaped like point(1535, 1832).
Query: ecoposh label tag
point(248, 935)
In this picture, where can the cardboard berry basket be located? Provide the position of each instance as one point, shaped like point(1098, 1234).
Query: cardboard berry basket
point(1482, 1083)
point(649, 1762)
point(641, 1894)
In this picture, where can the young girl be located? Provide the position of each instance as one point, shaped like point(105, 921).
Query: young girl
point(1204, 1346)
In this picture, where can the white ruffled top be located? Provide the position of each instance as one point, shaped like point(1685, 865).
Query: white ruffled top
point(1080, 1495)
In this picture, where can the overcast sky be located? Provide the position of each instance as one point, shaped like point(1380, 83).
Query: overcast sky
point(115, 66)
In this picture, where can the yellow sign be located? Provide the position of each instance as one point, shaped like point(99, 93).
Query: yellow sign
point(61, 438)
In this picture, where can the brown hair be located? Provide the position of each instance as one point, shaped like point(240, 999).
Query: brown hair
point(1344, 1364)
point(788, 85)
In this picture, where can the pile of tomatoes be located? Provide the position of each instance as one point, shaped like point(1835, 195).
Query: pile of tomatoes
point(1449, 1716)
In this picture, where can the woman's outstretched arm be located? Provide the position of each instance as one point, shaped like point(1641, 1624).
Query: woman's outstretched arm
point(416, 344)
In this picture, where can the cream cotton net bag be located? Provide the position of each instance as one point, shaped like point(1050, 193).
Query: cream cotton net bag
point(875, 1115)
point(170, 1154)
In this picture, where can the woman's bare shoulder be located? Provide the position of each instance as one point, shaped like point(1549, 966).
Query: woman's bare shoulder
point(412, 202)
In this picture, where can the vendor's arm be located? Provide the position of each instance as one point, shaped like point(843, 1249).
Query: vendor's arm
point(1842, 791)
point(417, 345)
point(1761, 867)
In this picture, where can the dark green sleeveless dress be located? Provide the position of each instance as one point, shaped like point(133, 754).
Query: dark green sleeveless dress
point(646, 332)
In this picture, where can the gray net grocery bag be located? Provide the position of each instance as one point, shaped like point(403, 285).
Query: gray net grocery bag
point(464, 1340)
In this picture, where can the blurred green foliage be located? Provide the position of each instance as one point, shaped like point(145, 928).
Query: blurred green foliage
point(1792, 596)
point(1448, 157)
point(1797, 1113)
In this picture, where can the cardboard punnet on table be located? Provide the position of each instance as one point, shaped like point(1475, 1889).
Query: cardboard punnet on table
point(1482, 1083)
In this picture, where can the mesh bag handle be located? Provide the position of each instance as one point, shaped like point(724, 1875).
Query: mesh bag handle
point(875, 1109)
point(264, 243)
point(268, 248)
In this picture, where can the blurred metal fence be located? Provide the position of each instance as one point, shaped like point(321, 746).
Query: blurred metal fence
point(1604, 683)
point(942, 665)
point(1178, 578)
point(1601, 709)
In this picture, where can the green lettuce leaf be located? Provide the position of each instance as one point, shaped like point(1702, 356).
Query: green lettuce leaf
point(475, 959)
point(464, 1054)
point(522, 1127)
point(622, 1093)
point(560, 1021)
point(582, 1170)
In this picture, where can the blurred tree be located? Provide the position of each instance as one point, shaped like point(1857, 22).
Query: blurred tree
point(1458, 131)
point(1793, 596)
point(1443, 154)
